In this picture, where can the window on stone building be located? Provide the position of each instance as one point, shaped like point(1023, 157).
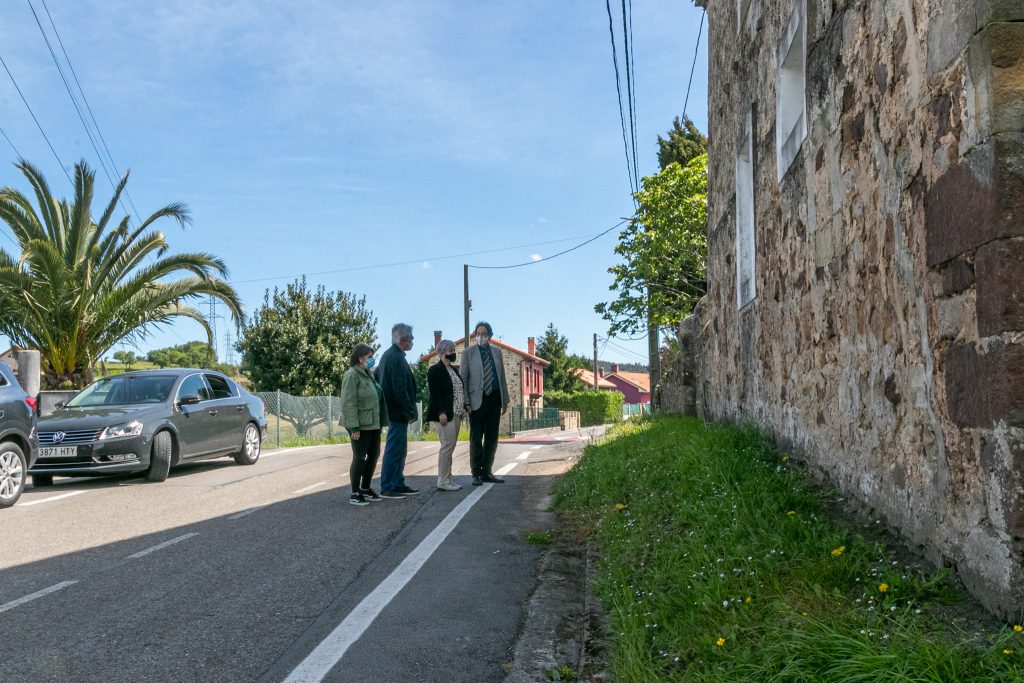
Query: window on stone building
point(745, 288)
point(790, 97)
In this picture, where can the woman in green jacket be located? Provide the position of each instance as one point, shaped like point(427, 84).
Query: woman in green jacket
point(362, 413)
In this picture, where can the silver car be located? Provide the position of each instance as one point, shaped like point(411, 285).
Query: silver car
point(149, 421)
point(17, 436)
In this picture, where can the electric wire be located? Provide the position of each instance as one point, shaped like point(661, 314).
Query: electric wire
point(2, 132)
point(627, 47)
point(686, 102)
point(553, 256)
point(618, 91)
point(38, 125)
point(88, 107)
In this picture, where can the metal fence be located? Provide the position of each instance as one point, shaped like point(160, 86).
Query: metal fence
point(302, 420)
point(634, 409)
point(525, 418)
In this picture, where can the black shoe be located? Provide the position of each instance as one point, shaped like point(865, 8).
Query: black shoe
point(491, 479)
point(476, 481)
point(357, 499)
point(408, 491)
point(370, 495)
point(391, 493)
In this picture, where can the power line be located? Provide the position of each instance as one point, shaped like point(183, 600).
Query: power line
point(548, 258)
point(10, 143)
point(88, 107)
point(38, 125)
point(618, 92)
point(694, 65)
point(627, 46)
point(409, 262)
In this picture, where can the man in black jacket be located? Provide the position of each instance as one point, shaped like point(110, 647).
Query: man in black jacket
point(399, 386)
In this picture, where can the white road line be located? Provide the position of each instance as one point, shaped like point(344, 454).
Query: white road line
point(161, 546)
point(47, 500)
point(38, 594)
point(329, 652)
point(284, 451)
point(533, 448)
point(506, 469)
point(523, 456)
point(243, 513)
point(311, 487)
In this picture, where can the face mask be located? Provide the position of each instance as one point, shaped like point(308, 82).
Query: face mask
point(451, 357)
point(370, 363)
point(481, 340)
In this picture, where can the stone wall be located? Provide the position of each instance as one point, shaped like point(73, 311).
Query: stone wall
point(885, 344)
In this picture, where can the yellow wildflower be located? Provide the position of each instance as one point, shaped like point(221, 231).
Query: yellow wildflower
point(1007, 652)
point(790, 513)
point(839, 551)
point(620, 506)
point(785, 458)
point(1018, 628)
point(720, 642)
point(748, 599)
point(883, 587)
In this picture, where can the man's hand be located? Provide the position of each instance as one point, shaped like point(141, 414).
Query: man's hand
point(443, 420)
point(355, 435)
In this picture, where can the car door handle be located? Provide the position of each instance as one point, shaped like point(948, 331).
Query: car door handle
point(2, 413)
point(212, 411)
point(240, 409)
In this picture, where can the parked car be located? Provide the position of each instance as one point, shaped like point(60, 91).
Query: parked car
point(149, 421)
point(17, 436)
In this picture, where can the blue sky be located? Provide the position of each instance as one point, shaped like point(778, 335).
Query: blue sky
point(326, 135)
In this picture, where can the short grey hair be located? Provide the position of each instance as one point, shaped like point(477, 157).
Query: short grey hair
point(400, 331)
point(445, 346)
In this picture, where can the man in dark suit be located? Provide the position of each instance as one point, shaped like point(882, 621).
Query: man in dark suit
point(483, 376)
point(399, 387)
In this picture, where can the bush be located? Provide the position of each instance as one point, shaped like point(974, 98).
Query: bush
point(594, 407)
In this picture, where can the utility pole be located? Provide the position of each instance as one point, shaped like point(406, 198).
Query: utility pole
point(653, 345)
point(467, 304)
point(229, 351)
point(595, 361)
point(211, 319)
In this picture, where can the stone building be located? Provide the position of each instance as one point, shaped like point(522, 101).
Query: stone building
point(866, 261)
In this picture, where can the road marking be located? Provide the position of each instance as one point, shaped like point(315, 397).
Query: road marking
point(38, 594)
point(311, 487)
point(247, 512)
point(47, 500)
point(331, 649)
point(523, 456)
point(161, 546)
point(533, 448)
point(506, 469)
point(295, 449)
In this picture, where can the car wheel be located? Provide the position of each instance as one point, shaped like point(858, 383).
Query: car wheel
point(12, 473)
point(41, 480)
point(160, 458)
point(250, 452)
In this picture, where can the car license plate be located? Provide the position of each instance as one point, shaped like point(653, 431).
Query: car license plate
point(58, 451)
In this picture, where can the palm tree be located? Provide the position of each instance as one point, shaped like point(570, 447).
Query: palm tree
point(80, 286)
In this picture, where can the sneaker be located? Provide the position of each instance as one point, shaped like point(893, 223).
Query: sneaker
point(357, 499)
point(476, 481)
point(391, 493)
point(408, 491)
point(370, 495)
point(449, 487)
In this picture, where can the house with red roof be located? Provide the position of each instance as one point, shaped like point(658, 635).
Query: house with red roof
point(587, 377)
point(635, 386)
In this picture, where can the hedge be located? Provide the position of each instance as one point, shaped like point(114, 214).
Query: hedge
point(594, 407)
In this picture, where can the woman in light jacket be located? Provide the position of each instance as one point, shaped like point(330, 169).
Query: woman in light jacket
point(362, 413)
point(446, 408)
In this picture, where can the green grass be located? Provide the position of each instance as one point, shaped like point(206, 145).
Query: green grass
point(721, 562)
point(431, 435)
point(546, 537)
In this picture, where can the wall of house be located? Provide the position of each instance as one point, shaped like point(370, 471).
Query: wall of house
point(885, 342)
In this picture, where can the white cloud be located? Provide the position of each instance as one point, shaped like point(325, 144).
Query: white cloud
point(426, 265)
point(535, 257)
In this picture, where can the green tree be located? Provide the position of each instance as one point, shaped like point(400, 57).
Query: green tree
point(193, 354)
point(553, 347)
point(80, 286)
point(299, 340)
point(682, 144)
point(126, 357)
point(664, 250)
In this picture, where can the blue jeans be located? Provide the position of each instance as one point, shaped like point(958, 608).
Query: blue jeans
point(393, 467)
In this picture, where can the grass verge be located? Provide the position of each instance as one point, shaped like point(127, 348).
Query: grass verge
point(720, 562)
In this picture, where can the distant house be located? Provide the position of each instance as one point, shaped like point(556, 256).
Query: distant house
point(10, 356)
point(587, 377)
point(524, 372)
point(635, 386)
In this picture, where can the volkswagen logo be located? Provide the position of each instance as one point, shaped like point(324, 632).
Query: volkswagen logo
point(58, 437)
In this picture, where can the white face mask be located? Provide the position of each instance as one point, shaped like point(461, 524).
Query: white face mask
point(482, 340)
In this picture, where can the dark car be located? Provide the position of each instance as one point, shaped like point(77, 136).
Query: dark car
point(17, 436)
point(150, 421)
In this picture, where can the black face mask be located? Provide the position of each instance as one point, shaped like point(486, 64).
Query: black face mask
point(451, 357)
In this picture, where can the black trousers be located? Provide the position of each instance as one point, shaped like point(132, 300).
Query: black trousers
point(365, 451)
point(483, 434)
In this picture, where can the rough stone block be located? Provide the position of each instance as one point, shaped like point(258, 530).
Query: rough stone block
point(1000, 269)
point(957, 275)
point(1006, 54)
point(985, 388)
point(979, 200)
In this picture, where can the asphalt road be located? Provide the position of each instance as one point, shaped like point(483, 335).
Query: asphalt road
point(266, 573)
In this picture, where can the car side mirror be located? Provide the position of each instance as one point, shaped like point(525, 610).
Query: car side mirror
point(59, 404)
point(188, 400)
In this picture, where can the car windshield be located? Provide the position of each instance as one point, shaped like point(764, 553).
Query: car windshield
point(123, 390)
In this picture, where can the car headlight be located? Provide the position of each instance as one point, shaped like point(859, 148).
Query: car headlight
point(133, 428)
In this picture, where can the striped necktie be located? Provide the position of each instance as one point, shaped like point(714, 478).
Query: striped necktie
point(488, 361)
